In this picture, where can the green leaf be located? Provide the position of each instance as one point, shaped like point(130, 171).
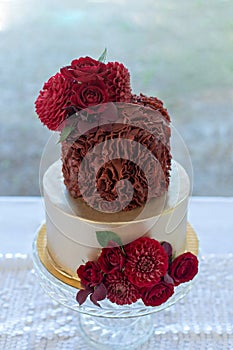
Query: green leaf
point(65, 132)
point(102, 57)
point(103, 237)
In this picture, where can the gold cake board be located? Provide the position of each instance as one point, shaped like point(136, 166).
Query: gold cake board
point(192, 246)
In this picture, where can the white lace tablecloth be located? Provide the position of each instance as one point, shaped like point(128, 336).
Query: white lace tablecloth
point(29, 319)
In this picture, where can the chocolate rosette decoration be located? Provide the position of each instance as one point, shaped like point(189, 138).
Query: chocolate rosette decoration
point(118, 158)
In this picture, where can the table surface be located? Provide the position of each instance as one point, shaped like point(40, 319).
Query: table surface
point(211, 217)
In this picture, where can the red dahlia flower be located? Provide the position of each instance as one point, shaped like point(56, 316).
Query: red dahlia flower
point(120, 290)
point(52, 101)
point(146, 262)
point(117, 79)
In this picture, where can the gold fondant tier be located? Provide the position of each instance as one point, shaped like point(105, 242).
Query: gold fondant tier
point(192, 245)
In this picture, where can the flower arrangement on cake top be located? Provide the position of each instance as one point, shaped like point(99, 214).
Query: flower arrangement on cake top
point(86, 82)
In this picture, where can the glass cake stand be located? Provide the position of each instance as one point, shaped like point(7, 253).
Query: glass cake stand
point(110, 326)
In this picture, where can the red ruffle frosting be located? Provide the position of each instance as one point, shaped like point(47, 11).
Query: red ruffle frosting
point(136, 147)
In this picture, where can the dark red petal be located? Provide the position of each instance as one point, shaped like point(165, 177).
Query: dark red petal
point(167, 247)
point(168, 279)
point(82, 295)
point(94, 301)
point(100, 292)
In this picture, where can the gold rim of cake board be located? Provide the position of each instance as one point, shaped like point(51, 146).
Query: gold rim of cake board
point(192, 245)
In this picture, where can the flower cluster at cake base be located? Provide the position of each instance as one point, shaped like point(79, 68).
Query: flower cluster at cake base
point(142, 269)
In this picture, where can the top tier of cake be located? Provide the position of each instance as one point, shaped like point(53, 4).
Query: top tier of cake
point(120, 155)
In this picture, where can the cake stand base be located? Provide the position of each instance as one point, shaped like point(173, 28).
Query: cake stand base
point(115, 334)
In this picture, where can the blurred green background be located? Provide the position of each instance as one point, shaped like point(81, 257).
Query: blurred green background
point(180, 51)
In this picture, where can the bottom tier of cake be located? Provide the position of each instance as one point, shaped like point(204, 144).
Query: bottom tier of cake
point(192, 245)
point(72, 225)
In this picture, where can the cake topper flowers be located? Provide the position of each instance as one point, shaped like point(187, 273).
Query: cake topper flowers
point(84, 83)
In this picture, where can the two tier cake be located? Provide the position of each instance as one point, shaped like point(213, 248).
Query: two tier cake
point(116, 202)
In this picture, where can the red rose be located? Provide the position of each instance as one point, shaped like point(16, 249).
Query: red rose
point(114, 74)
point(146, 262)
point(90, 274)
point(83, 69)
point(184, 268)
point(89, 94)
point(111, 259)
point(52, 101)
point(157, 294)
point(120, 290)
